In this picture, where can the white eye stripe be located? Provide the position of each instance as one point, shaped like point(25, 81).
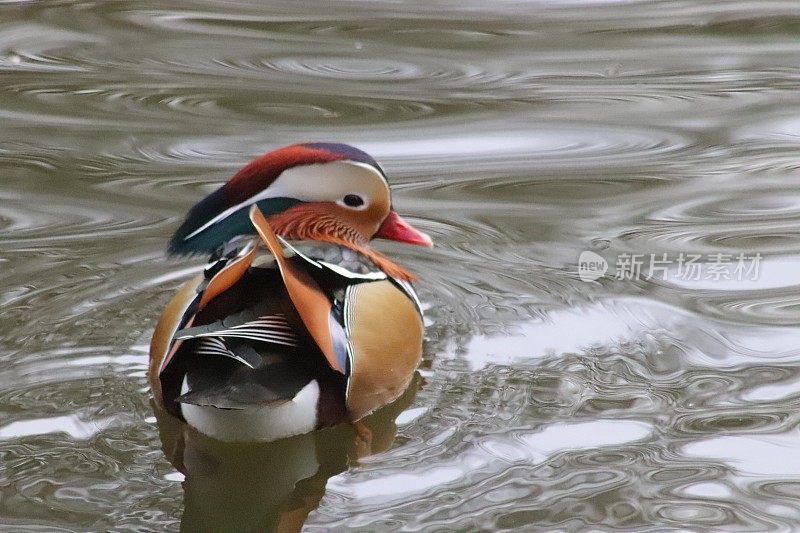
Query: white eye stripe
point(330, 182)
point(314, 183)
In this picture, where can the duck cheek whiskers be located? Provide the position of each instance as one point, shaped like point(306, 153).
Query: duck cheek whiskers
point(316, 222)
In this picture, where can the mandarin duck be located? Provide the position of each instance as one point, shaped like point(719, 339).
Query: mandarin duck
point(296, 323)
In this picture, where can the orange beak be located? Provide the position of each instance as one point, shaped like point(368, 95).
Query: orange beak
point(395, 228)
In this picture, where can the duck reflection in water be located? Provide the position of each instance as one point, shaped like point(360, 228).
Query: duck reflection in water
point(271, 486)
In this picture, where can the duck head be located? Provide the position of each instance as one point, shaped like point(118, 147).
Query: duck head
point(317, 191)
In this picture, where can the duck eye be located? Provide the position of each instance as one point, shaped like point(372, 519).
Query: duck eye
point(353, 200)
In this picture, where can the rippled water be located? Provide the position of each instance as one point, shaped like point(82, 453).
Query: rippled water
point(518, 135)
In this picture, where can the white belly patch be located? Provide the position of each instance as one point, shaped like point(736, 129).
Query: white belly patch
point(256, 424)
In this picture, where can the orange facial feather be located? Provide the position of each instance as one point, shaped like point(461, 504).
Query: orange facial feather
point(327, 222)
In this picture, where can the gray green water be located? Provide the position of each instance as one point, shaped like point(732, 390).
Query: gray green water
point(518, 134)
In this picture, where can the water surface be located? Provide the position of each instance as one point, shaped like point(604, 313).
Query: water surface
point(518, 134)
